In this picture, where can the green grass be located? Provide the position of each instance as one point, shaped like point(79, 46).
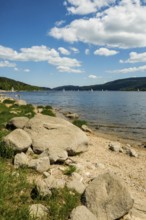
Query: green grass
point(14, 194)
point(60, 203)
point(9, 101)
point(79, 123)
point(48, 112)
point(70, 170)
point(6, 151)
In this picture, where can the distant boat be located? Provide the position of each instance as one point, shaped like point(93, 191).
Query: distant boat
point(91, 90)
point(63, 90)
point(12, 89)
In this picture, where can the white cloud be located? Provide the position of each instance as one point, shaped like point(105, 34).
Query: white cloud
point(27, 70)
point(63, 51)
point(39, 54)
point(75, 50)
point(135, 58)
point(105, 52)
point(87, 51)
point(6, 63)
point(83, 7)
point(129, 70)
point(121, 25)
point(92, 76)
point(59, 23)
point(68, 69)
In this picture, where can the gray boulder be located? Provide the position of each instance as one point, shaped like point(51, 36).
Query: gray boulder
point(41, 164)
point(57, 136)
point(115, 146)
point(42, 188)
point(19, 140)
point(17, 122)
point(76, 185)
point(20, 160)
point(53, 183)
point(38, 212)
point(107, 198)
point(82, 213)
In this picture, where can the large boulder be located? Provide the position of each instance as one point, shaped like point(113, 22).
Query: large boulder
point(19, 140)
point(57, 136)
point(17, 122)
point(82, 213)
point(41, 164)
point(107, 198)
point(21, 102)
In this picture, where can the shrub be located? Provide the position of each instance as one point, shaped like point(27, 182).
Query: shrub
point(70, 170)
point(6, 151)
point(48, 107)
point(79, 123)
point(48, 112)
point(9, 101)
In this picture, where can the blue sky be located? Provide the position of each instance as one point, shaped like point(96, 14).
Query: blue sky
point(72, 42)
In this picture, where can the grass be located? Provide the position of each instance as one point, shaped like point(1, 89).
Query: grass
point(14, 194)
point(71, 169)
point(15, 191)
point(60, 203)
point(9, 101)
point(79, 123)
point(48, 112)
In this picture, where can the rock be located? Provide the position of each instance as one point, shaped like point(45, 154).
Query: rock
point(72, 115)
point(53, 183)
point(21, 102)
point(57, 136)
point(38, 212)
point(107, 198)
point(29, 152)
point(20, 160)
point(86, 129)
point(76, 185)
point(82, 213)
point(19, 140)
point(115, 146)
point(17, 122)
point(132, 153)
point(42, 188)
point(41, 164)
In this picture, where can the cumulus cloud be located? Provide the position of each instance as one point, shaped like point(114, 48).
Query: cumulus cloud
point(119, 25)
point(75, 50)
point(129, 70)
point(63, 51)
point(27, 70)
point(39, 54)
point(6, 63)
point(92, 76)
point(105, 52)
point(59, 23)
point(83, 7)
point(135, 58)
point(87, 51)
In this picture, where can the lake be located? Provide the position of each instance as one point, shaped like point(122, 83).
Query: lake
point(118, 112)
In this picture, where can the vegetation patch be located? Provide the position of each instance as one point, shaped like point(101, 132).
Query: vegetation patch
point(79, 123)
point(70, 170)
point(6, 151)
point(9, 101)
point(48, 112)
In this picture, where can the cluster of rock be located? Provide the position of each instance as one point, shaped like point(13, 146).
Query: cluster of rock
point(117, 147)
point(42, 141)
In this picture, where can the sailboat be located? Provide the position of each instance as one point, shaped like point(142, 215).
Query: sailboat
point(12, 89)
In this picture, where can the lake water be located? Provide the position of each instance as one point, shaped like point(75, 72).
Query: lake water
point(123, 113)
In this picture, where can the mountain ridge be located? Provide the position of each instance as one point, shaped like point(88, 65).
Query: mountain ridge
point(127, 84)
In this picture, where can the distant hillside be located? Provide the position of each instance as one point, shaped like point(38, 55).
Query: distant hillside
point(8, 84)
point(129, 84)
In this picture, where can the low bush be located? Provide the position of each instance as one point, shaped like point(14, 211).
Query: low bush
point(6, 151)
point(48, 112)
point(79, 123)
point(70, 170)
point(9, 101)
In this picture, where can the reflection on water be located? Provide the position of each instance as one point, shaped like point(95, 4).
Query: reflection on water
point(122, 112)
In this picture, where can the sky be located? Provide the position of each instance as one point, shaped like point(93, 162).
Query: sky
point(72, 42)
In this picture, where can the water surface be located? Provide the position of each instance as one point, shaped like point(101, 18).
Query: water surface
point(119, 112)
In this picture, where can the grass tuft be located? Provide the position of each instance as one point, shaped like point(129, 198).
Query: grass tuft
point(71, 169)
point(79, 123)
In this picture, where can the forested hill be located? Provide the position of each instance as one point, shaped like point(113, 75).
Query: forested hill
point(8, 84)
point(129, 84)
